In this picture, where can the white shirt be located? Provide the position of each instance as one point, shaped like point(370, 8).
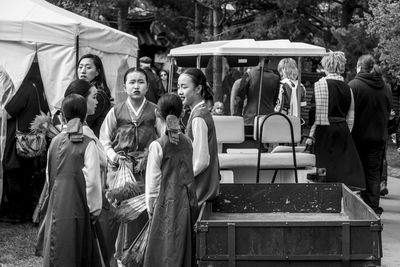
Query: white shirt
point(91, 172)
point(136, 112)
point(201, 154)
point(153, 175)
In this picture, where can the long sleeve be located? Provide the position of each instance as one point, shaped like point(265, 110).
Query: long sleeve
point(153, 175)
point(107, 130)
point(201, 154)
point(91, 172)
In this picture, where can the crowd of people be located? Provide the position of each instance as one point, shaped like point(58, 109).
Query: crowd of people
point(172, 131)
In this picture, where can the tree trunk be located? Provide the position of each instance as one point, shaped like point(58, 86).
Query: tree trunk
point(217, 66)
point(197, 23)
point(347, 12)
point(210, 22)
point(123, 7)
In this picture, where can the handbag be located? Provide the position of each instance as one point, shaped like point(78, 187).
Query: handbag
point(30, 145)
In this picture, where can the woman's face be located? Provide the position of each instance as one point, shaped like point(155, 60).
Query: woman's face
point(136, 85)
point(163, 76)
point(87, 70)
point(187, 91)
point(91, 101)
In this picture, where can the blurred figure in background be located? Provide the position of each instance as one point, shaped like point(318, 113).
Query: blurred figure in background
point(164, 80)
point(250, 87)
point(22, 185)
point(155, 90)
point(7, 90)
point(230, 76)
point(287, 102)
point(373, 100)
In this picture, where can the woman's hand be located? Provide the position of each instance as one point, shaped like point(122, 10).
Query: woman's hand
point(120, 159)
point(309, 141)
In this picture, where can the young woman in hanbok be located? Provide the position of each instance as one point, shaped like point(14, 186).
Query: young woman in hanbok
point(75, 193)
point(126, 133)
point(171, 192)
point(193, 89)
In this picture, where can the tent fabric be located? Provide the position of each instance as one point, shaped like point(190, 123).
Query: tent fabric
point(36, 27)
point(7, 91)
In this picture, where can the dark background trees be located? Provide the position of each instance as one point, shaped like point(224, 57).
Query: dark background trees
point(353, 26)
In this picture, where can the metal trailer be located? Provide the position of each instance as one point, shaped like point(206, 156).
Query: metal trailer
point(287, 225)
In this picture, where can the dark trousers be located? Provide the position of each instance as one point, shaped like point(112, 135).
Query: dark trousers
point(384, 167)
point(371, 158)
point(22, 189)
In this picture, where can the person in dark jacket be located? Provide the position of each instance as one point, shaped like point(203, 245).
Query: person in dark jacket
point(250, 87)
point(372, 109)
point(155, 90)
point(22, 187)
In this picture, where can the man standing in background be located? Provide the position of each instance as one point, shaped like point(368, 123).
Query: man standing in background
point(250, 87)
point(155, 90)
point(372, 105)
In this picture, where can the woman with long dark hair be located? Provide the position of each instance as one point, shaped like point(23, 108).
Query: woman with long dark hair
point(90, 68)
point(194, 90)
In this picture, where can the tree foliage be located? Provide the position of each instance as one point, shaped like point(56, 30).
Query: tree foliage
point(352, 26)
point(384, 23)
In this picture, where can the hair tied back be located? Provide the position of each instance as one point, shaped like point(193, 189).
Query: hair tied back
point(173, 128)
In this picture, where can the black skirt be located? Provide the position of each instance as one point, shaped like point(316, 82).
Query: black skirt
point(335, 151)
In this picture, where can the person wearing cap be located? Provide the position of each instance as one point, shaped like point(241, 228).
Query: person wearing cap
point(155, 90)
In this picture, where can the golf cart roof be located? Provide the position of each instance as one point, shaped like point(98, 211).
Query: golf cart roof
point(244, 52)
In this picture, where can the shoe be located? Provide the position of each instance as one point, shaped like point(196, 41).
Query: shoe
point(378, 211)
point(384, 190)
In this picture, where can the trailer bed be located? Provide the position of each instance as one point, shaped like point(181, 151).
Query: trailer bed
point(288, 225)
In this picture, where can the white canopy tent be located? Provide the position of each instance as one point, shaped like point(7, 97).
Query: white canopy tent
point(30, 28)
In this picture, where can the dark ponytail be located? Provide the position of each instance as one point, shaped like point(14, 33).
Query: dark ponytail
point(199, 78)
point(368, 64)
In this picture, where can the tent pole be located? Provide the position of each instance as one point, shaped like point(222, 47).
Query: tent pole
point(77, 51)
point(299, 87)
point(198, 62)
point(262, 60)
point(171, 74)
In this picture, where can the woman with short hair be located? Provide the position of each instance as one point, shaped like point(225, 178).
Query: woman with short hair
point(334, 148)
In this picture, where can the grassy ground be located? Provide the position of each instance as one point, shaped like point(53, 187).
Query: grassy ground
point(17, 245)
point(17, 241)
